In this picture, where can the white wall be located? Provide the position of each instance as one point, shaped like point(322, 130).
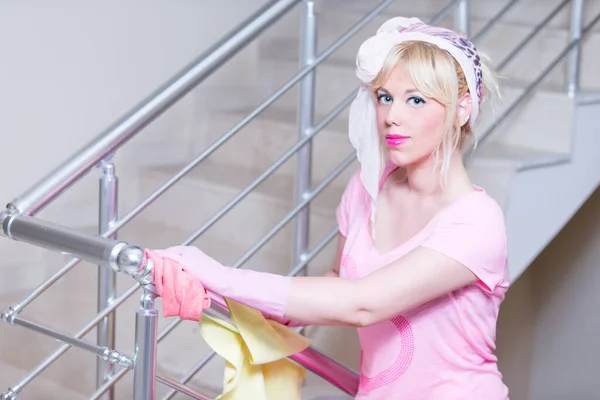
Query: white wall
point(70, 68)
point(549, 324)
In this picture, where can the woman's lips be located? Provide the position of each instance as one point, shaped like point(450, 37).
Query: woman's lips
point(396, 140)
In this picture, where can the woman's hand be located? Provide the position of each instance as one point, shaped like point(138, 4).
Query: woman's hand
point(263, 291)
point(197, 263)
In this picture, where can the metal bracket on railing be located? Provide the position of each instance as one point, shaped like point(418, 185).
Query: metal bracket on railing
point(108, 159)
point(6, 218)
point(10, 395)
point(129, 259)
point(10, 315)
point(116, 357)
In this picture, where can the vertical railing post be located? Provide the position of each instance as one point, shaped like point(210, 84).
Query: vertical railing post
point(107, 278)
point(461, 17)
point(146, 337)
point(574, 57)
point(306, 100)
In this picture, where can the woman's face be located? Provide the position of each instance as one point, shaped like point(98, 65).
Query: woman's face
point(410, 125)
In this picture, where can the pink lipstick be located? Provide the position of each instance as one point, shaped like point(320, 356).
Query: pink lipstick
point(396, 140)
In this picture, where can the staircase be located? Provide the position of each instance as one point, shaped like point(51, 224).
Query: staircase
point(525, 149)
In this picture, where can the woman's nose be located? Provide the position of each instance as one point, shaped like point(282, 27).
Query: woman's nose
point(394, 115)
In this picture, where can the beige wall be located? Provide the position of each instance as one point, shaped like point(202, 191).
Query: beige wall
point(550, 322)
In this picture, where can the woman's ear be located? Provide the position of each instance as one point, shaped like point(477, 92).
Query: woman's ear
point(465, 105)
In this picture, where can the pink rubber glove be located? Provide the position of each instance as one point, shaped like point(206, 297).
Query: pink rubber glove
point(182, 294)
point(263, 291)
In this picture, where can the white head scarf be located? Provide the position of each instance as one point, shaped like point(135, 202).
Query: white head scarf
point(369, 61)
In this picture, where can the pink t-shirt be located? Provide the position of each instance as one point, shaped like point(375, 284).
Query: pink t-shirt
point(443, 349)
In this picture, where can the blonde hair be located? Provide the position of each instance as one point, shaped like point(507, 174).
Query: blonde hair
point(437, 75)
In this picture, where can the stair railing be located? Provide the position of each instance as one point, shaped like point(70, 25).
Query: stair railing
point(18, 224)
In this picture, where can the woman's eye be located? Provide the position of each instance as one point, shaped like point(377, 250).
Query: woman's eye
point(416, 100)
point(384, 98)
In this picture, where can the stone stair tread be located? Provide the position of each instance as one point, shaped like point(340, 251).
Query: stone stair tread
point(222, 174)
point(518, 155)
point(276, 186)
point(287, 116)
point(524, 13)
point(41, 388)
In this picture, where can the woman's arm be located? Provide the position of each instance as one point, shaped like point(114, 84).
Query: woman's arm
point(420, 276)
point(333, 273)
point(467, 246)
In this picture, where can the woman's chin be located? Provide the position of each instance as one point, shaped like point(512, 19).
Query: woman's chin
point(406, 159)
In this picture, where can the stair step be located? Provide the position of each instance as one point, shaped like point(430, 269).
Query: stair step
point(525, 12)
point(520, 157)
point(40, 388)
point(266, 139)
point(498, 43)
point(542, 121)
point(211, 185)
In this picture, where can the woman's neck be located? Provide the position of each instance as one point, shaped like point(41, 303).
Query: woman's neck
point(421, 179)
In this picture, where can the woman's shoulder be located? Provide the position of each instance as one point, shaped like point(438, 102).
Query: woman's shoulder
point(477, 209)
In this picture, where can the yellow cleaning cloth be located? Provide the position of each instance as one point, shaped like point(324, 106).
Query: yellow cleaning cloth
point(255, 351)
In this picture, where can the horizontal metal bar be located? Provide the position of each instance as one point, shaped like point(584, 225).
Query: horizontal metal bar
point(50, 186)
point(109, 355)
point(55, 237)
point(117, 255)
point(181, 388)
point(531, 34)
point(56, 355)
point(537, 81)
point(490, 24)
point(334, 174)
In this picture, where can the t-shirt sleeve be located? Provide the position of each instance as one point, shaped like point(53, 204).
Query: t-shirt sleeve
point(344, 207)
point(475, 236)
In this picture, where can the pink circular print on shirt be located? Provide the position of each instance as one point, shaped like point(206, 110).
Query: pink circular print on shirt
point(387, 347)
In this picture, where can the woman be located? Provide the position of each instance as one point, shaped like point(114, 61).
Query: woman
point(422, 249)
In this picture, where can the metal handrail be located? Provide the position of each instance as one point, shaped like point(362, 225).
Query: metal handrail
point(65, 175)
point(119, 256)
